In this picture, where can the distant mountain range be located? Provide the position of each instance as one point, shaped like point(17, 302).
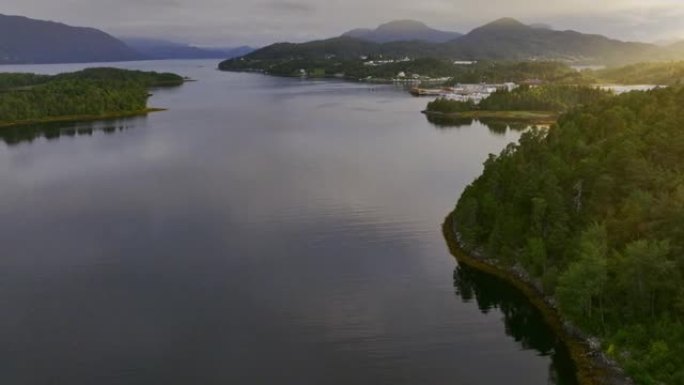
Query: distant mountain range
point(164, 49)
point(24, 40)
point(403, 30)
point(503, 39)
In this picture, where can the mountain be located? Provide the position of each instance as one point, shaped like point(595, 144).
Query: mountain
point(164, 49)
point(503, 39)
point(403, 30)
point(510, 39)
point(344, 47)
point(24, 40)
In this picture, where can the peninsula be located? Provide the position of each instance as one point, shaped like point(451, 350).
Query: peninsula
point(91, 94)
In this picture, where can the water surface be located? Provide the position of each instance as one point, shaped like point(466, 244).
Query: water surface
point(261, 231)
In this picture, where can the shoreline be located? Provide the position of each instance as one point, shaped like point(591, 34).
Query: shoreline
point(593, 367)
point(349, 79)
point(541, 117)
point(80, 118)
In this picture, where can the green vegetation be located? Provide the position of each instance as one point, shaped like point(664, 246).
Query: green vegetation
point(660, 73)
point(355, 69)
point(348, 69)
point(87, 94)
point(549, 98)
point(501, 72)
point(593, 210)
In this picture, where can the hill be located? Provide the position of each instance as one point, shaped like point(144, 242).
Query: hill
point(591, 210)
point(24, 40)
point(403, 30)
point(512, 40)
point(164, 49)
point(661, 73)
point(345, 48)
point(504, 39)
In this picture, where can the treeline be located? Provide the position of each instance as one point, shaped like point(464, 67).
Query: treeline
point(502, 72)
point(549, 72)
point(593, 209)
point(555, 98)
point(661, 73)
point(91, 92)
point(492, 72)
point(145, 78)
point(348, 69)
point(544, 98)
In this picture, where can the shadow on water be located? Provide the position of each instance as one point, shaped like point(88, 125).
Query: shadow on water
point(496, 126)
point(13, 136)
point(523, 321)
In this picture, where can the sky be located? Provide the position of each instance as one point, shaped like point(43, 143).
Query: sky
point(261, 22)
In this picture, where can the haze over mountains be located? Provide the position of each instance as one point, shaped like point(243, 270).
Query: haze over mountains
point(163, 49)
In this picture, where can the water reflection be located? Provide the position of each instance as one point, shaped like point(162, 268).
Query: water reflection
point(496, 126)
point(523, 322)
point(13, 136)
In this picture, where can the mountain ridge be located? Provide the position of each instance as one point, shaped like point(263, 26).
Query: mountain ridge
point(24, 40)
point(402, 30)
point(160, 49)
point(502, 39)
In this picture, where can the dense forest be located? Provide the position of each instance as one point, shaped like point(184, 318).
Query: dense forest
point(593, 209)
point(91, 92)
point(557, 98)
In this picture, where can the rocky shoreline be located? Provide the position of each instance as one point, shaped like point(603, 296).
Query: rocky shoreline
point(593, 366)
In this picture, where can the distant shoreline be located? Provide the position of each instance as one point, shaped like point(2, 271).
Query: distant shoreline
point(79, 118)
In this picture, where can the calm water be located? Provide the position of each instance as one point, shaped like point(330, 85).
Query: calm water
point(261, 231)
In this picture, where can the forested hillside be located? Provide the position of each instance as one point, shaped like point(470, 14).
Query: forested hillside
point(659, 73)
point(91, 92)
point(594, 210)
point(555, 98)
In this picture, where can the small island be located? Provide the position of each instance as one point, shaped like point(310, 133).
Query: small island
point(90, 94)
point(537, 105)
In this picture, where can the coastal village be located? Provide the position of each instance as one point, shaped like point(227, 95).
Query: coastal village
point(464, 92)
point(459, 92)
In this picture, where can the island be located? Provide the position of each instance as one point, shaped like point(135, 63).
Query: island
point(529, 104)
point(90, 94)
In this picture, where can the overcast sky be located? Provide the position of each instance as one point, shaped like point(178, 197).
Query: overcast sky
point(260, 22)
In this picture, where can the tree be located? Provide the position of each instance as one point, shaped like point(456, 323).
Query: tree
point(583, 283)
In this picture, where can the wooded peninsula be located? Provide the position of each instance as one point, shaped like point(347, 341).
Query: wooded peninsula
point(91, 94)
point(592, 210)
